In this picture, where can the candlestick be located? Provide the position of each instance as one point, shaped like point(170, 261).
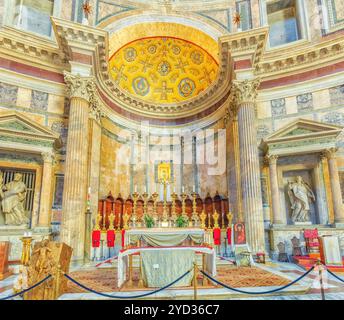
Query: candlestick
point(145, 200)
point(203, 216)
point(111, 221)
point(216, 219)
point(194, 209)
point(184, 196)
point(134, 214)
point(229, 218)
point(174, 214)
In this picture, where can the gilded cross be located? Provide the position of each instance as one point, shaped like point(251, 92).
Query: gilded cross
point(164, 91)
point(146, 65)
point(181, 65)
point(119, 74)
point(206, 76)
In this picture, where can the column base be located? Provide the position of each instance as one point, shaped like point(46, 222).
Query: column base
point(339, 225)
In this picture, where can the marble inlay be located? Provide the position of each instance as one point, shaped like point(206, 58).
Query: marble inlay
point(337, 96)
point(334, 117)
point(39, 100)
point(304, 102)
point(278, 107)
point(8, 94)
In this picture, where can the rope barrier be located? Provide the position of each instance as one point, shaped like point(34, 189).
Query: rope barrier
point(257, 292)
point(126, 297)
point(333, 274)
point(28, 289)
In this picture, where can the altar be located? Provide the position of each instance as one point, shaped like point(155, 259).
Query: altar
point(160, 266)
point(163, 237)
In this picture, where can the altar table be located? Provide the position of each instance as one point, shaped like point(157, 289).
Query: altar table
point(163, 237)
point(169, 269)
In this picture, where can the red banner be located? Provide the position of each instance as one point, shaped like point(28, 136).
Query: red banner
point(95, 238)
point(123, 233)
point(217, 236)
point(229, 235)
point(110, 236)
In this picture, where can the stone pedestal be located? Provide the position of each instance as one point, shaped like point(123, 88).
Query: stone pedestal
point(245, 93)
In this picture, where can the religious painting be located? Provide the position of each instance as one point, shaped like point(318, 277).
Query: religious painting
point(239, 233)
point(163, 171)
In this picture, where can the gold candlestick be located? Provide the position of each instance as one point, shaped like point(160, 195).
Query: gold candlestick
point(145, 201)
point(216, 219)
point(184, 196)
point(111, 221)
point(203, 217)
point(26, 253)
point(126, 218)
point(229, 218)
point(194, 217)
point(155, 196)
point(134, 214)
point(174, 214)
point(97, 225)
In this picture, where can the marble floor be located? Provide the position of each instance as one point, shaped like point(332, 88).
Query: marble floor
point(306, 289)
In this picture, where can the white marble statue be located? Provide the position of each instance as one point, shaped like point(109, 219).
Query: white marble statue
point(12, 197)
point(300, 195)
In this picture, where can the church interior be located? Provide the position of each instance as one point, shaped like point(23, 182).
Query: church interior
point(171, 149)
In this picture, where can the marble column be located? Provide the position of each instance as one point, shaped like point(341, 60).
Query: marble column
point(46, 191)
point(80, 91)
point(245, 95)
point(275, 194)
point(335, 185)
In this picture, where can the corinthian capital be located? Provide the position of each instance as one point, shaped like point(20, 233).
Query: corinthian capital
point(79, 87)
point(330, 153)
point(96, 112)
point(245, 91)
point(271, 159)
point(48, 156)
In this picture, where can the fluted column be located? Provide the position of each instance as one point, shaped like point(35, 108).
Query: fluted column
point(335, 185)
point(275, 195)
point(46, 191)
point(245, 93)
point(76, 165)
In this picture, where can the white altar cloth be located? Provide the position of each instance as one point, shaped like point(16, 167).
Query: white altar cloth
point(123, 261)
point(164, 232)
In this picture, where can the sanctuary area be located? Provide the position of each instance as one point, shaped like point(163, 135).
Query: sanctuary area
point(171, 149)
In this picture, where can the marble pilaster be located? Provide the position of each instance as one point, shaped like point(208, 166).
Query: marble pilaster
point(335, 185)
point(81, 90)
point(46, 191)
point(275, 195)
point(245, 95)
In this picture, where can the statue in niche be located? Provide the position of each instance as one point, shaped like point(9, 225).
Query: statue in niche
point(12, 196)
point(300, 195)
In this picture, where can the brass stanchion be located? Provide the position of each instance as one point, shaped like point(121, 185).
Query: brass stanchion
point(195, 280)
point(321, 280)
point(204, 281)
point(130, 282)
point(140, 285)
point(57, 279)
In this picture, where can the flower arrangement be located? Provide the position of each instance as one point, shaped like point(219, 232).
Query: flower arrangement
point(149, 221)
point(181, 222)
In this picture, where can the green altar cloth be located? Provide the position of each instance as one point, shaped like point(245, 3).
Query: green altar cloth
point(161, 267)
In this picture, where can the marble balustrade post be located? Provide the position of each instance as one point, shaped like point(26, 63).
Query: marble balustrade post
point(80, 91)
point(245, 95)
point(335, 185)
point(46, 191)
point(275, 194)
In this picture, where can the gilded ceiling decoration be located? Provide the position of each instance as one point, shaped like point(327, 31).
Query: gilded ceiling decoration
point(163, 69)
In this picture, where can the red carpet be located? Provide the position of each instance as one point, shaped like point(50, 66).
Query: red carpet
point(105, 280)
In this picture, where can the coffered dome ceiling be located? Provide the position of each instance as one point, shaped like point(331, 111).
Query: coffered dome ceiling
point(163, 70)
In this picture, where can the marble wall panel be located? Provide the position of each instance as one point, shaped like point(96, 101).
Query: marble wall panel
point(39, 100)
point(56, 104)
point(278, 107)
point(8, 94)
point(337, 96)
point(24, 98)
point(304, 102)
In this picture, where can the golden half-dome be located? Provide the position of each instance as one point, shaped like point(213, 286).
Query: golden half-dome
point(163, 69)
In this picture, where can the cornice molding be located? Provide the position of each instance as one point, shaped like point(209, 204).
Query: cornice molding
point(31, 49)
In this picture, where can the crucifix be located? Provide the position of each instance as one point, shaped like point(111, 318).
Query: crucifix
point(164, 178)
